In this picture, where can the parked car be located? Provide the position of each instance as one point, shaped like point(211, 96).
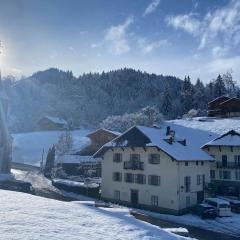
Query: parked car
point(205, 211)
point(234, 203)
point(222, 207)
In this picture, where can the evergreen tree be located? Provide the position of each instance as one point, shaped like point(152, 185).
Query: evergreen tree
point(187, 94)
point(49, 162)
point(167, 103)
point(199, 97)
point(219, 87)
point(230, 84)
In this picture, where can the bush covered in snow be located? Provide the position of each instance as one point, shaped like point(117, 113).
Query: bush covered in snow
point(147, 116)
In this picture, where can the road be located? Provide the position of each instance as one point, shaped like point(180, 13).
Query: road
point(43, 187)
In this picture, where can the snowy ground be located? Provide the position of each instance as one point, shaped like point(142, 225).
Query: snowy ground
point(212, 125)
point(227, 225)
point(29, 147)
point(29, 217)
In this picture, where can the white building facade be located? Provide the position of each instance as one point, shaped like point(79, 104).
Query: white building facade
point(147, 168)
point(225, 171)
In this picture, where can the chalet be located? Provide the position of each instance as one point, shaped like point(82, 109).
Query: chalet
point(225, 171)
point(52, 123)
point(80, 161)
point(224, 107)
point(153, 169)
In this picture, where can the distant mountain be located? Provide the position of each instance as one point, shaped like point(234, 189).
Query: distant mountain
point(90, 98)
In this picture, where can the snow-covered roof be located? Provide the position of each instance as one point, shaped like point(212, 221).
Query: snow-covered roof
point(231, 138)
point(56, 120)
point(74, 159)
point(230, 100)
point(176, 149)
point(219, 98)
point(106, 130)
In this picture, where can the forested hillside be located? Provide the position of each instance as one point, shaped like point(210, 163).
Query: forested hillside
point(90, 98)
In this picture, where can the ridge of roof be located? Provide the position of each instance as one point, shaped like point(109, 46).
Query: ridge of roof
point(223, 96)
point(231, 132)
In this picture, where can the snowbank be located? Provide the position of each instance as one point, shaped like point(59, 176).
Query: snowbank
point(29, 217)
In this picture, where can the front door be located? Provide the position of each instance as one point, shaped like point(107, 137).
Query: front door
point(200, 196)
point(134, 197)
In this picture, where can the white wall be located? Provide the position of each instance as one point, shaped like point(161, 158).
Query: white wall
point(172, 174)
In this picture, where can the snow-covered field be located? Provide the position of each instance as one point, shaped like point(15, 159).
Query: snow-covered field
point(29, 147)
point(29, 217)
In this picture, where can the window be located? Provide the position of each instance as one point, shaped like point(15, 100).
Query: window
point(197, 163)
point(154, 158)
point(202, 163)
point(237, 160)
point(198, 179)
point(154, 180)
point(186, 163)
point(117, 157)
point(224, 160)
point(154, 200)
point(237, 175)
point(203, 179)
point(187, 184)
point(226, 175)
point(116, 195)
point(212, 174)
point(188, 201)
point(220, 174)
point(117, 176)
point(135, 157)
point(140, 179)
point(129, 177)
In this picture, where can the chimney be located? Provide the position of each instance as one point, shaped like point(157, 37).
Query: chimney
point(172, 134)
point(168, 131)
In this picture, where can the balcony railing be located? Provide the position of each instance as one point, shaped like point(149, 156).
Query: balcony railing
point(228, 165)
point(134, 165)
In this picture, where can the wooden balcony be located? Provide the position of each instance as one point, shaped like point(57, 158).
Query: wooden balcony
point(228, 165)
point(133, 165)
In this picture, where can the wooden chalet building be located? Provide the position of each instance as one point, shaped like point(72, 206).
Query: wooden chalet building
point(52, 123)
point(224, 107)
point(80, 162)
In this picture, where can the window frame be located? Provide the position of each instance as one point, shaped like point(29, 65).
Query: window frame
point(151, 160)
point(154, 201)
point(151, 182)
point(117, 179)
point(117, 159)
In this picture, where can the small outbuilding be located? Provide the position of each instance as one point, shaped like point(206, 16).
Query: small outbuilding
point(224, 107)
point(52, 123)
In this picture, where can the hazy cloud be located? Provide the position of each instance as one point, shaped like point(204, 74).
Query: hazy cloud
point(116, 37)
point(151, 7)
point(219, 27)
point(148, 47)
point(186, 22)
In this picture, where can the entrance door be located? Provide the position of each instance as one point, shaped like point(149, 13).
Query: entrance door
point(134, 197)
point(200, 196)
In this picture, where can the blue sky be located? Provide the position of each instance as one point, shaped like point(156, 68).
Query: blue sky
point(171, 37)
